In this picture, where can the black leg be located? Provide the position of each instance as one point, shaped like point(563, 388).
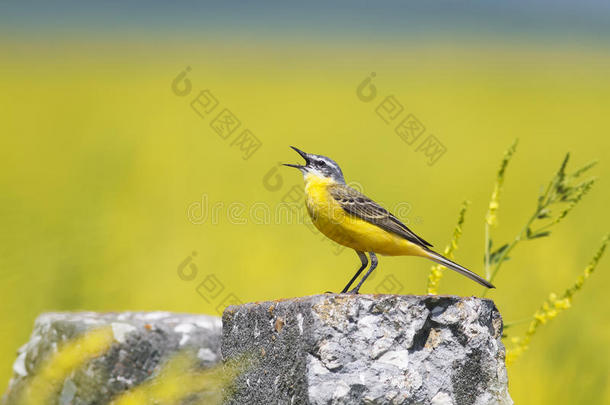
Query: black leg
point(368, 273)
point(364, 261)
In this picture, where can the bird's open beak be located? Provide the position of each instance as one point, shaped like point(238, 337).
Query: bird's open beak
point(303, 154)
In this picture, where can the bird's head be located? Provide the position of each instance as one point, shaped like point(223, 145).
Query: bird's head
point(318, 165)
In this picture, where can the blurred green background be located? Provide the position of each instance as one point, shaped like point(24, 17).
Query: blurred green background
point(102, 165)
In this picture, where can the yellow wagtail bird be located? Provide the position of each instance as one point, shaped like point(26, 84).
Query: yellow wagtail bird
point(352, 219)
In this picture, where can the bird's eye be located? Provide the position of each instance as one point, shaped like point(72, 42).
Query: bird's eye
point(321, 163)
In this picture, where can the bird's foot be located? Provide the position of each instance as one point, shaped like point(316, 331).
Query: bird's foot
point(354, 291)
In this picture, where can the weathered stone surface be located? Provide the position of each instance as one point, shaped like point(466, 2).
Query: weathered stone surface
point(326, 349)
point(91, 358)
point(376, 349)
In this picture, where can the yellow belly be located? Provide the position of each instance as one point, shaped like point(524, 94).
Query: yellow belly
point(349, 230)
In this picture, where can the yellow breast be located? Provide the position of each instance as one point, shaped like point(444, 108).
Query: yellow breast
point(330, 218)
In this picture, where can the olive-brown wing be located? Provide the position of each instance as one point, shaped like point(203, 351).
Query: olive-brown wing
point(357, 204)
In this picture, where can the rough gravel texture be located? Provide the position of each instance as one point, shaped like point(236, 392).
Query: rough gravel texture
point(368, 349)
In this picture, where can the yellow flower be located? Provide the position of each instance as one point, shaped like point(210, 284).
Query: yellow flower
point(494, 203)
point(552, 307)
point(436, 271)
point(563, 304)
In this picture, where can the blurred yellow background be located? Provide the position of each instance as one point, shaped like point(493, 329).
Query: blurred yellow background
point(101, 164)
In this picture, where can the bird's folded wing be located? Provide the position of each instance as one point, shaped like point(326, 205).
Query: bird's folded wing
point(357, 204)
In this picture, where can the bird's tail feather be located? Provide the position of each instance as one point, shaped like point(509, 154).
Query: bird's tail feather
point(442, 260)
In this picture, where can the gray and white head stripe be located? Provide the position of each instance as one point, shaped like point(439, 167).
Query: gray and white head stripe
point(325, 167)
